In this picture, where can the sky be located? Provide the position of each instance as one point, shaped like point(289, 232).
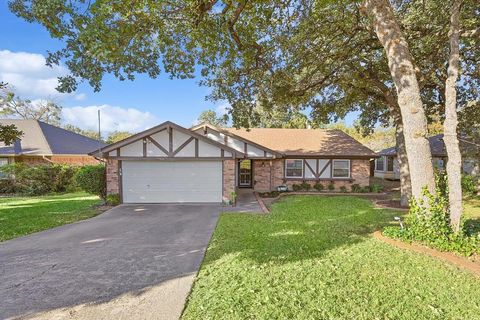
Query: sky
point(125, 105)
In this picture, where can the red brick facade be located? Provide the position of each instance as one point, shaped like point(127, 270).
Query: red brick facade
point(67, 159)
point(229, 178)
point(113, 183)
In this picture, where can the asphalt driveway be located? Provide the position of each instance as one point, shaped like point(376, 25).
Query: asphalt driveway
point(123, 251)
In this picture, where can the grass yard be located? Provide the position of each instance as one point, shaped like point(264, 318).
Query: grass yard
point(20, 216)
point(313, 258)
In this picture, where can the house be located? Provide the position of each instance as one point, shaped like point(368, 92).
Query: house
point(44, 143)
point(386, 166)
point(170, 163)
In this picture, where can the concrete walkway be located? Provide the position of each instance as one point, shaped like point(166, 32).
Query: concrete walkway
point(246, 202)
point(131, 262)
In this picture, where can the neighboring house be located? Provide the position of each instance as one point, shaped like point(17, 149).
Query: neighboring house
point(387, 167)
point(44, 143)
point(169, 163)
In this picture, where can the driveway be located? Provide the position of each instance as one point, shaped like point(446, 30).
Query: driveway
point(132, 260)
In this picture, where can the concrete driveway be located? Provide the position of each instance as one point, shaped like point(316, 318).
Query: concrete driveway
point(132, 260)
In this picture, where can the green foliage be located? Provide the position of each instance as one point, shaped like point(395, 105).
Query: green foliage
point(300, 260)
point(270, 194)
point(113, 199)
point(428, 222)
point(318, 186)
point(9, 133)
point(116, 136)
point(7, 186)
point(343, 189)
point(331, 186)
point(376, 188)
point(356, 188)
point(211, 117)
point(469, 184)
point(92, 134)
point(91, 179)
point(233, 197)
point(305, 186)
point(296, 187)
point(40, 179)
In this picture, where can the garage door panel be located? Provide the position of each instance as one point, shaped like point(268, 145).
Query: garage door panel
point(181, 181)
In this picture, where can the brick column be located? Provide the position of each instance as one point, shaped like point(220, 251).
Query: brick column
point(228, 178)
point(112, 177)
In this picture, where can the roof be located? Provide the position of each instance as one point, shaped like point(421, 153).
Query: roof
point(40, 138)
point(437, 147)
point(305, 142)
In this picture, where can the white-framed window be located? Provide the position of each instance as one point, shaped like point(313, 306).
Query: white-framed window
point(390, 164)
point(380, 163)
point(294, 168)
point(3, 162)
point(341, 169)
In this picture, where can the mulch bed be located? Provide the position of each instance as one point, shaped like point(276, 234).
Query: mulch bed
point(471, 264)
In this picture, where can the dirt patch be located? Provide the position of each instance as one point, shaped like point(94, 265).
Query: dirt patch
point(164, 301)
point(471, 264)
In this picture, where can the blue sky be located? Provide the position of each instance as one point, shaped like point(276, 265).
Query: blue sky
point(125, 105)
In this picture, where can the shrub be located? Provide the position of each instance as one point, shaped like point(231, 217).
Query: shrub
point(376, 188)
point(428, 222)
point(469, 185)
point(7, 186)
point(318, 186)
point(296, 187)
point(331, 186)
point(113, 199)
point(91, 179)
point(305, 186)
point(343, 189)
point(356, 188)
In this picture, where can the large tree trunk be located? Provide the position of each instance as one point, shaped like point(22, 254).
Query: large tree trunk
point(408, 94)
point(405, 183)
point(454, 163)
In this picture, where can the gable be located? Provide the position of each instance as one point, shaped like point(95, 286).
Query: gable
point(168, 140)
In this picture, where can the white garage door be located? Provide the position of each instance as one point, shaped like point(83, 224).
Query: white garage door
point(176, 181)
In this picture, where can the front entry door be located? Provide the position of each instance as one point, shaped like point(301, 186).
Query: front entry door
point(245, 173)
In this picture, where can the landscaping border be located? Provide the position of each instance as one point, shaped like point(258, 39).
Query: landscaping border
point(458, 261)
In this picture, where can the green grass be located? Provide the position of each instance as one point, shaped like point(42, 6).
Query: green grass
point(20, 216)
point(313, 258)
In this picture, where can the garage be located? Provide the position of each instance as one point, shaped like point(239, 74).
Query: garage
point(171, 181)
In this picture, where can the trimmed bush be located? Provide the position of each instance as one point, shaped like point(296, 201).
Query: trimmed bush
point(356, 188)
point(91, 179)
point(376, 188)
point(7, 186)
point(113, 199)
point(331, 186)
point(343, 189)
point(318, 186)
point(296, 187)
point(305, 186)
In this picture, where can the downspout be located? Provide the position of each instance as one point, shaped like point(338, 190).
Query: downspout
point(46, 159)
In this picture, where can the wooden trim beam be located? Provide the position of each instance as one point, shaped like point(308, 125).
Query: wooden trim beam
point(329, 162)
point(196, 148)
point(167, 158)
point(310, 168)
point(183, 145)
point(170, 141)
point(144, 140)
point(158, 145)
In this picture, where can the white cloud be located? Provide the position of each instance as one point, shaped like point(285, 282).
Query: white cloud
point(112, 118)
point(29, 75)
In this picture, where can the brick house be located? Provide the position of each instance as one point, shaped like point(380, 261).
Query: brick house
point(169, 163)
point(44, 143)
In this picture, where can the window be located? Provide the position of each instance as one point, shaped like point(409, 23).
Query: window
point(380, 163)
point(3, 162)
point(341, 168)
point(390, 164)
point(294, 168)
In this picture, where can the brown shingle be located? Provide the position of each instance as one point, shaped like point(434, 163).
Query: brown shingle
point(310, 142)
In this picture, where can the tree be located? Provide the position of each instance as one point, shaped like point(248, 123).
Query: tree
point(44, 110)
point(8, 133)
point(92, 134)
point(454, 163)
point(116, 136)
point(210, 116)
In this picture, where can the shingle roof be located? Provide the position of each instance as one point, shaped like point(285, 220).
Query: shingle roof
point(40, 138)
point(306, 142)
point(437, 147)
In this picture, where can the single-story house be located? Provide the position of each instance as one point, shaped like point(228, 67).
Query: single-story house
point(170, 163)
point(387, 167)
point(44, 143)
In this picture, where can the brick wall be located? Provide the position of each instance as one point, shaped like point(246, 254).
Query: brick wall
point(228, 178)
point(113, 183)
point(70, 160)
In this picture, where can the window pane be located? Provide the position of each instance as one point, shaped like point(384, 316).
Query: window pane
point(390, 164)
point(294, 168)
point(341, 169)
point(380, 163)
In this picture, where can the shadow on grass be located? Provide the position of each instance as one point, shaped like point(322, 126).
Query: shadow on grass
point(299, 227)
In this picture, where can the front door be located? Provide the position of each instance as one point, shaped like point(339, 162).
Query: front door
point(245, 173)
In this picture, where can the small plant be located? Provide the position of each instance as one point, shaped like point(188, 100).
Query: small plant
point(296, 187)
point(113, 199)
point(233, 198)
point(469, 184)
point(365, 189)
point(331, 186)
point(318, 186)
point(343, 189)
point(305, 186)
point(356, 188)
point(376, 188)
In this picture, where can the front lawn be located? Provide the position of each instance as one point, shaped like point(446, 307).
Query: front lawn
point(313, 258)
point(23, 215)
